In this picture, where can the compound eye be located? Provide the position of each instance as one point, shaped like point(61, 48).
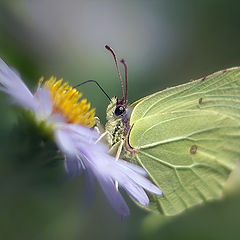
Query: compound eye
point(119, 110)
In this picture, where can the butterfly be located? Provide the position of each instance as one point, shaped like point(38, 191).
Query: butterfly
point(186, 137)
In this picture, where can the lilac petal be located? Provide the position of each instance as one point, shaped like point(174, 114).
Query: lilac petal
point(114, 197)
point(139, 179)
point(98, 165)
point(134, 183)
point(15, 87)
point(44, 109)
point(136, 192)
point(119, 170)
point(122, 174)
point(134, 167)
point(105, 167)
point(72, 166)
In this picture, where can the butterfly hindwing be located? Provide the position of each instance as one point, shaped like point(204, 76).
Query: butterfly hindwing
point(188, 139)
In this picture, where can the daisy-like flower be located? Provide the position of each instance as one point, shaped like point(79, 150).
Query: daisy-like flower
point(71, 121)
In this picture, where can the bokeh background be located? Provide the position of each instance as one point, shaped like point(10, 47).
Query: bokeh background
point(164, 43)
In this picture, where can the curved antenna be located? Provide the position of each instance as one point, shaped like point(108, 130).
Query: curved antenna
point(94, 81)
point(126, 79)
point(116, 64)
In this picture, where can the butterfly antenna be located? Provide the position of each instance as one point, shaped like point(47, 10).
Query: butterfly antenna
point(94, 81)
point(116, 64)
point(126, 78)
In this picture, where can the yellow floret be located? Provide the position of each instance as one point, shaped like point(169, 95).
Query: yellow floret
point(67, 101)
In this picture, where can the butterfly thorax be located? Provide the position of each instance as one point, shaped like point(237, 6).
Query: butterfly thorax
point(117, 126)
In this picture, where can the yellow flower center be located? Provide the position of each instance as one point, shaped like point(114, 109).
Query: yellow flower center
point(67, 102)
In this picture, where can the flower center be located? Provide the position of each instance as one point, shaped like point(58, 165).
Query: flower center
point(67, 101)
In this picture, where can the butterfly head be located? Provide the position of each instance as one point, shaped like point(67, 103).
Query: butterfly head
point(118, 109)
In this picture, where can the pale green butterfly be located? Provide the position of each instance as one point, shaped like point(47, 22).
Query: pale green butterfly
point(186, 137)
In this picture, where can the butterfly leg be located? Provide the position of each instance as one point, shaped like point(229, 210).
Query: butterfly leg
point(119, 150)
point(98, 126)
point(102, 136)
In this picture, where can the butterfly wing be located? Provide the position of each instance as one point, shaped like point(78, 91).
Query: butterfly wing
point(188, 139)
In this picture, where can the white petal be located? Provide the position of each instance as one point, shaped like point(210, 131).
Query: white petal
point(15, 87)
point(80, 134)
point(84, 131)
point(65, 142)
point(44, 100)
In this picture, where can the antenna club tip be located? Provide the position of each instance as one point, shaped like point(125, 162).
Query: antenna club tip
point(107, 47)
point(122, 61)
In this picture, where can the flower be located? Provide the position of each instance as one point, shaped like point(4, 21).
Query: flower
point(71, 120)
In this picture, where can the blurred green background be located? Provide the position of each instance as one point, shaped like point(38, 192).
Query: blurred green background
point(164, 43)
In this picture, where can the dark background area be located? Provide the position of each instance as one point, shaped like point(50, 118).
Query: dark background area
point(165, 43)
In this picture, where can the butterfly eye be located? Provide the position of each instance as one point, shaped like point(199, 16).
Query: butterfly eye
point(119, 110)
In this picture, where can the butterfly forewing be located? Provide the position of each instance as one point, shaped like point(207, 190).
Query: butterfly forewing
point(188, 139)
point(221, 88)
